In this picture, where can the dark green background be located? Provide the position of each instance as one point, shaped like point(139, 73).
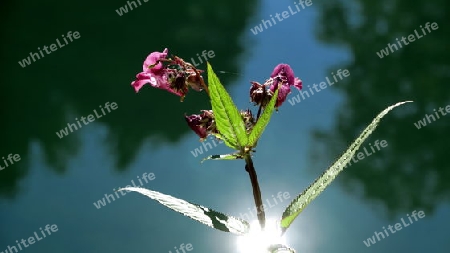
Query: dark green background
point(58, 180)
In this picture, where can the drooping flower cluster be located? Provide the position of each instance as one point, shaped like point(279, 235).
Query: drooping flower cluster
point(174, 75)
point(202, 124)
point(260, 94)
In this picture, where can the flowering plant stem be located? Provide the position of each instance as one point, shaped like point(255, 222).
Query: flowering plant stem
point(241, 132)
point(256, 191)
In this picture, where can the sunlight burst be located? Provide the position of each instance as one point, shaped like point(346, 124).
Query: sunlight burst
point(257, 241)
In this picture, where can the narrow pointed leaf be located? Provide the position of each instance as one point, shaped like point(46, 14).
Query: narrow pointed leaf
point(224, 157)
point(260, 126)
point(302, 200)
point(199, 213)
point(228, 119)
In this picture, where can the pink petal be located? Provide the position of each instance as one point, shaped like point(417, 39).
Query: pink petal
point(194, 122)
point(298, 83)
point(284, 70)
point(153, 58)
point(284, 91)
point(142, 79)
point(137, 85)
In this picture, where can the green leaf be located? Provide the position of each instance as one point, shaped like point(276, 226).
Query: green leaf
point(229, 121)
point(233, 156)
point(260, 126)
point(196, 212)
point(302, 200)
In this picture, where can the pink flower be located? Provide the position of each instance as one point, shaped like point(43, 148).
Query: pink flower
point(202, 124)
point(153, 72)
point(173, 75)
point(282, 74)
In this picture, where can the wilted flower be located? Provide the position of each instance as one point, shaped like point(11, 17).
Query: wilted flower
point(260, 94)
point(173, 75)
point(282, 74)
point(202, 124)
point(249, 121)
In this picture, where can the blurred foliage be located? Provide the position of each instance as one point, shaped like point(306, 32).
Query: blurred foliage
point(40, 99)
point(413, 171)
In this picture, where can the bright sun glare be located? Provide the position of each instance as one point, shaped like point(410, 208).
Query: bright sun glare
point(257, 241)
